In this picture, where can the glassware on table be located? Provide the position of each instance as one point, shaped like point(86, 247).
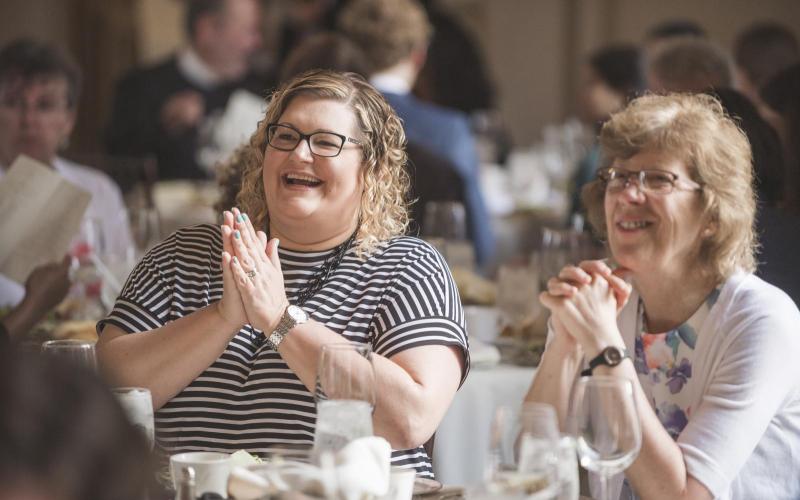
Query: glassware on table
point(145, 224)
point(444, 225)
point(523, 453)
point(138, 405)
point(606, 426)
point(345, 394)
point(78, 352)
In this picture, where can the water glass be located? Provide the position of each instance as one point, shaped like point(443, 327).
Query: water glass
point(78, 352)
point(607, 429)
point(523, 453)
point(138, 405)
point(345, 394)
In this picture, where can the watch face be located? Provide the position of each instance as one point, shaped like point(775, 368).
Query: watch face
point(297, 314)
point(613, 356)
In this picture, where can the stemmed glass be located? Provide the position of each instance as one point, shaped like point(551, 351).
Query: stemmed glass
point(444, 225)
point(523, 453)
point(607, 426)
point(345, 394)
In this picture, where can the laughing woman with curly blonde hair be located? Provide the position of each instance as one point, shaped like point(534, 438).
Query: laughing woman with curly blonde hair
point(225, 325)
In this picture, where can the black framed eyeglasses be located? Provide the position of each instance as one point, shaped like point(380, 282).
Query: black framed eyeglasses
point(649, 181)
point(326, 144)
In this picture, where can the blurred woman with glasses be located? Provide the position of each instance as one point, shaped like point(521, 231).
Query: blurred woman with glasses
point(711, 349)
point(225, 325)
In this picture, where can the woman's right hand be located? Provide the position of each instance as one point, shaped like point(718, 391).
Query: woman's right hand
point(230, 306)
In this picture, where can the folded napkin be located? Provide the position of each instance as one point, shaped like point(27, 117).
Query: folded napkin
point(358, 471)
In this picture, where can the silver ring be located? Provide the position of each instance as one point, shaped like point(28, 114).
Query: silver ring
point(251, 273)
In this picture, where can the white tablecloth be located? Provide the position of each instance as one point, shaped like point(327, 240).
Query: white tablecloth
point(462, 439)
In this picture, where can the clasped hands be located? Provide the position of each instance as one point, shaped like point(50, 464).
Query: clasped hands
point(584, 301)
point(253, 290)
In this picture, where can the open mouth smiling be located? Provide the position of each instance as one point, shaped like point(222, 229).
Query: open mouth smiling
point(303, 180)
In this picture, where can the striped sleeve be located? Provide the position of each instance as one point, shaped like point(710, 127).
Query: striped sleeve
point(421, 307)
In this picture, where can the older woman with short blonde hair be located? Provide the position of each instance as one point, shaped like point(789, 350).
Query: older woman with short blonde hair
point(708, 346)
point(225, 325)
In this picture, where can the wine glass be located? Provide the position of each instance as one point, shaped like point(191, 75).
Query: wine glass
point(345, 394)
point(78, 352)
point(606, 425)
point(444, 225)
point(523, 453)
point(145, 227)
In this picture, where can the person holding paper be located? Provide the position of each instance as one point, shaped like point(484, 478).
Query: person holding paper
point(169, 110)
point(39, 88)
point(225, 325)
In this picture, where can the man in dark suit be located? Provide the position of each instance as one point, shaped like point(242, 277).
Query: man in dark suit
point(394, 35)
point(166, 110)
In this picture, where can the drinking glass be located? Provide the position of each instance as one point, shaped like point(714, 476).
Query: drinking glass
point(523, 453)
point(145, 227)
point(78, 352)
point(444, 225)
point(606, 426)
point(138, 405)
point(345, 394)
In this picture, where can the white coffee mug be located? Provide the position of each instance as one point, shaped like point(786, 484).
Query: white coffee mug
point(211, 470)
point(138, 405)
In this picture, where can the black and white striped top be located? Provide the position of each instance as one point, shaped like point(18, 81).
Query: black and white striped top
point(402, 296)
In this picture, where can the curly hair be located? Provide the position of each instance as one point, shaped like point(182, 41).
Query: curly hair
point(387, 31)
point(695, 128)
point(384, 210)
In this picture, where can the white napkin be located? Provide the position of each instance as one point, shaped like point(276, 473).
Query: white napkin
point(482, 355)
point(362, 468)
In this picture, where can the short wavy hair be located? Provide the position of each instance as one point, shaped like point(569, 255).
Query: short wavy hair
point(387, 30)
point(384, 205)
point(695, 128)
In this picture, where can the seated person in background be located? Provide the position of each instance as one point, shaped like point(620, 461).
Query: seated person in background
point(762, 51)
point(610, 78)
point(767, 151)
point(64, 436)
point(670, 29)
point(39, 89)
point(708, 346)
point(163, 110)
point(324, 176)
point(688, 64)
point(394, 41)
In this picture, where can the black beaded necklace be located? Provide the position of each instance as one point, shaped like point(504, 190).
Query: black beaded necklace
point(317, 280)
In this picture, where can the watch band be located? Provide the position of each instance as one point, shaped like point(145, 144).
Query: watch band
point(291, 317)
point(610, 356)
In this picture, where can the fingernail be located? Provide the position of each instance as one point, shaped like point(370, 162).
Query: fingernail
point(239, 218)
point(236, 234)
point(235, 259)
point(244, 216)
point(277, 242)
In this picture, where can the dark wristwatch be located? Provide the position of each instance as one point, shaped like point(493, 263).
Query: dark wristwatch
point(610, 356)
point(292, 316)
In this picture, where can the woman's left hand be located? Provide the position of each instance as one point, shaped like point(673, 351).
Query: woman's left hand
point(257, 270)
point(586, 306)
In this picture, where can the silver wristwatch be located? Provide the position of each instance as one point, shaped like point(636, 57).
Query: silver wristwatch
point(292, 316)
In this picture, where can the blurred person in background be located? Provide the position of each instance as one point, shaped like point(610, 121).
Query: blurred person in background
point(168, 110)
point(688, 64)
point(672, 28)
point(64, 435)
point(768, 164)
point(610, 78)
point(761, 51)
point(394, 35)
point(780, 240)
point(39, 92)
point(708, 347)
